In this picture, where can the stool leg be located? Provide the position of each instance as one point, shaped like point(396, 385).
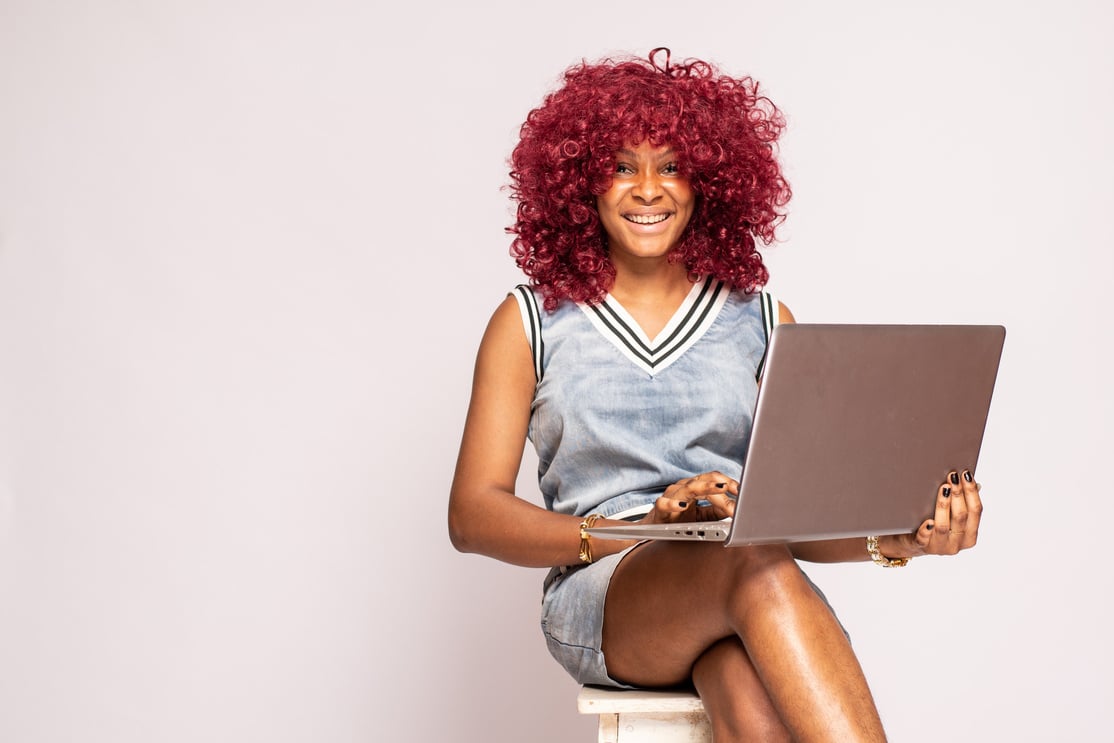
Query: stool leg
point(609, 728)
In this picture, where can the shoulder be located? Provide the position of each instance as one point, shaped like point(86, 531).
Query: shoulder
point(506, 323)
point(774, 309)
point(504, 354)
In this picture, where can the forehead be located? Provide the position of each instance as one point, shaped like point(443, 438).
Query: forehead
point(646, 149)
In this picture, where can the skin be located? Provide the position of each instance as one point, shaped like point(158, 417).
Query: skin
point(765, 653)
point(648, 206)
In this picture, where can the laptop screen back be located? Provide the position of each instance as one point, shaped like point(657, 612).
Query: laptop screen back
point(857, 426)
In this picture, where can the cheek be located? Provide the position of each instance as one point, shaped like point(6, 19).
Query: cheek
point(607, 204)
point(685, 199)
point(682, 193)
point(611, 197)
point(606, 216)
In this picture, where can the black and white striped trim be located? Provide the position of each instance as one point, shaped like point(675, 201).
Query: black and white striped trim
point(692, 319)
point(770, 317)
point(532, 322)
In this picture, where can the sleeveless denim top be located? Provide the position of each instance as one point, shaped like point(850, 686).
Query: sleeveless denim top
point(618, 417)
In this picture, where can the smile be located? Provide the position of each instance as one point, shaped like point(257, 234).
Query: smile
point(646, 218)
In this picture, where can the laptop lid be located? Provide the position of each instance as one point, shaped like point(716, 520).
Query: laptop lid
point(857, 425)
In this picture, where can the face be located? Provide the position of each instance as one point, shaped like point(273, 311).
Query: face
point(648, 205)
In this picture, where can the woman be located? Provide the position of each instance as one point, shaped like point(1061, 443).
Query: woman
point(631, 363)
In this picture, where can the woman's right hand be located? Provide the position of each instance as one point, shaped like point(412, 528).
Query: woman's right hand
point(679, 501)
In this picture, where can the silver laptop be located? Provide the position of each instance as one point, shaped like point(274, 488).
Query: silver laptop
point(855, 428)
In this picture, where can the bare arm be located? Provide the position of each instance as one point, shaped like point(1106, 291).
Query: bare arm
point(843, 550)
point(485, 515)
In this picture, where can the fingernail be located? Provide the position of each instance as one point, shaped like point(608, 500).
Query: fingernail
point(930, 527)
point(967, 476)
point(947, 491)
point(683, 503)
point(721, 485)
point(954, 477)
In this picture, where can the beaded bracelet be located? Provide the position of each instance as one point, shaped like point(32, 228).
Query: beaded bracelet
point(882, 560)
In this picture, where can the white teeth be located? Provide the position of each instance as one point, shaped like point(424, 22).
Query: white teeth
point(646, 218)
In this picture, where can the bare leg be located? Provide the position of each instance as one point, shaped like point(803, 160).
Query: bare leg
point(734, 697)
point(669, 603)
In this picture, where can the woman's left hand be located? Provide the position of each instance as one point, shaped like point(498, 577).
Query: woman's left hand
point(955, 525)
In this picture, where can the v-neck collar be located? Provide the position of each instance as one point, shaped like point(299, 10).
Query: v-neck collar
point(689, 323)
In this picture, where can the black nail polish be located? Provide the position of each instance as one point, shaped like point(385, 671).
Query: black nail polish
point(967, 476)
point(930, 527)
point(947, 491)
point(721, 485)
point(954, 477)
point(683, 503)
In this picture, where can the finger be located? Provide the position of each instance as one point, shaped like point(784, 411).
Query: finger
point(717, 482)
point(701, 486)
point(923, 535)
point(721, 506)
point(959, 523)
point(722, 497)
point(932, 535)
point(719, 491)
point(973, 498)
point(942, 518)
point(681, 491)
point(670, 507)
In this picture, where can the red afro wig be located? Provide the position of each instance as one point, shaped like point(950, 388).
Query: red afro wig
point(723, 132)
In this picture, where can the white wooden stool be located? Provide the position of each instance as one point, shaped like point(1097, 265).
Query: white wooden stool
point(644, 716)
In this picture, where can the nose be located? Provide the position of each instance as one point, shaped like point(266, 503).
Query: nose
point(647, 188)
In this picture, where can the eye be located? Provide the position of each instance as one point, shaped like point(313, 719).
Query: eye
point(671, 169)
point(623, 169)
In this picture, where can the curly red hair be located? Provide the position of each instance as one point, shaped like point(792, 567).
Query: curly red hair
point(723, 132)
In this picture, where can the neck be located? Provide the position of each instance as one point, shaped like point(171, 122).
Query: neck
point(651, 284)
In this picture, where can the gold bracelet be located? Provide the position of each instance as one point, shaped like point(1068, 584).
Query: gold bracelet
point(880, 559)
point(585, 537)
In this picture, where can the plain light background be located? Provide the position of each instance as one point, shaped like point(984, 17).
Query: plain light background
point(247, 251)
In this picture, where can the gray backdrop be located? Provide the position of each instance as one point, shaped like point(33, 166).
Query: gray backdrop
point(247, 250)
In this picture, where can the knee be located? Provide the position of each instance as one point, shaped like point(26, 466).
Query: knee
point(725, 661)
point(767, 573)
point(764, 562)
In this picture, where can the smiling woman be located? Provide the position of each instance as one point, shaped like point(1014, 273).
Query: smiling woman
point(632, 364)
point(722, 133)
point(649, 203)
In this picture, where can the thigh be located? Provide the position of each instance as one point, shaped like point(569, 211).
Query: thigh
point(668, 602)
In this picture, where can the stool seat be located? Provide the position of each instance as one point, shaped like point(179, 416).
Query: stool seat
point(646, 715)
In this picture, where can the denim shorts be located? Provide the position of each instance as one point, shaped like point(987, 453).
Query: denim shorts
point(572, 617)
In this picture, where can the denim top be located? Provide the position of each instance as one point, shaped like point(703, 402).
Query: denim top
point(618, 417)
